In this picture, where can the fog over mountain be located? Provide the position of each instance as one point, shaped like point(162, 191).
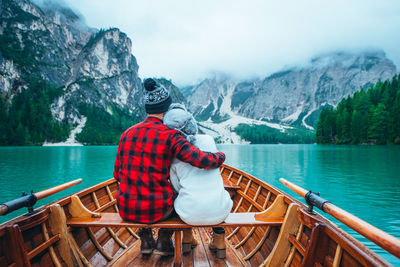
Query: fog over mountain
point(245, 39)
point(82, 76)
point(289, 98)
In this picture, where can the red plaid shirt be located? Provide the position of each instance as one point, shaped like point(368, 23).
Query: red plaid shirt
point(142, 166)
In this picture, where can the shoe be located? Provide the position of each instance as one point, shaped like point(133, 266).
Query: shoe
point(164, 246)
point(218, 245)
point(148, 243)
point(188, 240)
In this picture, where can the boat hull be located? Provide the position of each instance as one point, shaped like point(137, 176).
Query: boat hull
point(44, 239)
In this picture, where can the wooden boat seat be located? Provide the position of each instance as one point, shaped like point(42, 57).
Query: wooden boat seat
point(82, 217)
point(174, 223)
point(114, 220)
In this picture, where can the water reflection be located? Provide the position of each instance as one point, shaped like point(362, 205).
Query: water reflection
point(363, 180)
point(39, 168)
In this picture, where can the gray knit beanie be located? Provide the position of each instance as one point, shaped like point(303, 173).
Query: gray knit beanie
point(156, 97)
point(178, 118)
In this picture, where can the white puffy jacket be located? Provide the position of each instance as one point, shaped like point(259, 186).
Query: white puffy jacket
point(202, 199)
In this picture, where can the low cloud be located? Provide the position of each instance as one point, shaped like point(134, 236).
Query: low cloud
point(185, 40)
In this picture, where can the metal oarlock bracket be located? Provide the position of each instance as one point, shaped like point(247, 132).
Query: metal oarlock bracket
point(26, 200)
point(313, 199)
point(32, 201)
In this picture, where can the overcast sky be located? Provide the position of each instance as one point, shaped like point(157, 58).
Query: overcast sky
point(188, 40)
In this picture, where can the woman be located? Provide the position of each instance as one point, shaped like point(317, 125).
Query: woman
point(202, 199)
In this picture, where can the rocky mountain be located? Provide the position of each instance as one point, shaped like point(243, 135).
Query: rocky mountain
point(289, 98)
point(57, 76)
point(93, 66)
point(92, 70)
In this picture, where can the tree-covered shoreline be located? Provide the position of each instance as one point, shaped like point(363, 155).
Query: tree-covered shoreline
point(368, 117)
point(27, 120)
point(262, 134)
point(104, 128)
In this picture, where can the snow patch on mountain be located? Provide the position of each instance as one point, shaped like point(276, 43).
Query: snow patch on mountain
point(293, 117)
point(71, 141)
point(288, 97)
point(303, 121)
point(224, 131)
point(227, 100)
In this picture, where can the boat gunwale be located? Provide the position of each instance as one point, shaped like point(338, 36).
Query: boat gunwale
point(66, 200)
point(62, 202)
point(352, 241)
point(334, 234)
point(358, 245)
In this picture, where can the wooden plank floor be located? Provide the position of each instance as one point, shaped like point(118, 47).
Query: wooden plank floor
point(200, 256)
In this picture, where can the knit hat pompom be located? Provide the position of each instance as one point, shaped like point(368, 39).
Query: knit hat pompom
point(156, 97)
point(149, 84)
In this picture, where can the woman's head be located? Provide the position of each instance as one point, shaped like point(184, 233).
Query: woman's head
point(178, 118)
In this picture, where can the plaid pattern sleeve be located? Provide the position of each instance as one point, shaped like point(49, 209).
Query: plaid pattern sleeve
point(142, 167)
point(117, 163)
point(185, 151)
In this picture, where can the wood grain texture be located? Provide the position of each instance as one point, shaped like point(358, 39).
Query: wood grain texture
point(178, 248)
point(249, 242)
point(16, 251)
point(51, 249)
point(276, 210)
point(282, 247)
point(129, 254)
point(113, 219)
point(57, 224)
point(379, 237)
point(78, 210)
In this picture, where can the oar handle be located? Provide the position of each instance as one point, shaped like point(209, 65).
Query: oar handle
point(56, 189)
point(29, 200)
point(379, 237)
point(297, 189)
point(3, 209)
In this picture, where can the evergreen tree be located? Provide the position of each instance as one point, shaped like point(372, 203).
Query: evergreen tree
point(378, 124)
point(374, 93)
point(339, 126)
point(364, 127)
point(356, 127)
point(319, 134)
point(396, 119)
point(371, 116)
point(29, 120)
point(3, 122)
point(346, 127)
point(102, 127)
point(392, 109)
point(261, 134)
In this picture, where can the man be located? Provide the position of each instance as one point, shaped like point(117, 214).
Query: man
point(142, 167)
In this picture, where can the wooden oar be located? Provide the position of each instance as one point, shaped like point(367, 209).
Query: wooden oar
point(379, 237)
point(30, 199)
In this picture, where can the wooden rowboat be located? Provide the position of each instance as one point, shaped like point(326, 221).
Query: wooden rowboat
point(44, 238)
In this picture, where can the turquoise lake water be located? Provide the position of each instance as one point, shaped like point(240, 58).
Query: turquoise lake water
point(364, 180)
